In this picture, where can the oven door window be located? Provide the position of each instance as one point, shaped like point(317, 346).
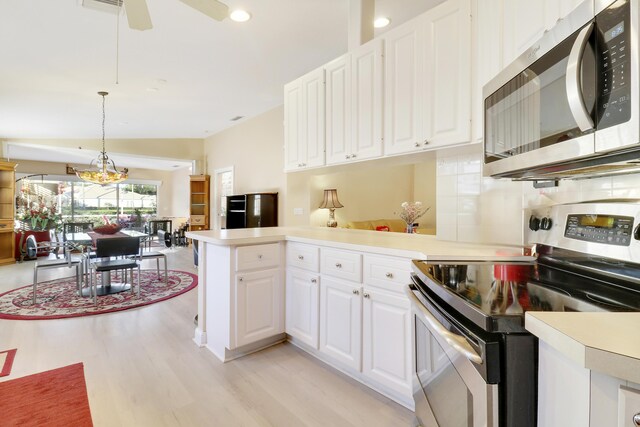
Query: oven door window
point(449, 398)
point(533, 110)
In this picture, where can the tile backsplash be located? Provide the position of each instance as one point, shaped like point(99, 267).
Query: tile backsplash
point(472, 208)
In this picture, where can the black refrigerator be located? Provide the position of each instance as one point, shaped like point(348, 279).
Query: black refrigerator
point(252, 210)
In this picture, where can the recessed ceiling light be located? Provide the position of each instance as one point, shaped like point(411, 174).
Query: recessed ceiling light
point(381, 22)
point(240, 15)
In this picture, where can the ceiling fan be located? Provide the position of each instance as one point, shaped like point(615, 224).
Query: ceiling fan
point(139, 18)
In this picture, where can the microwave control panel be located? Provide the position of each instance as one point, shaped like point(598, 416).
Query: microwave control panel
point(614, 30)
point(607, 229)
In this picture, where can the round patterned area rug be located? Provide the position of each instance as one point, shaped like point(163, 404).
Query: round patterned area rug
point(57, 299)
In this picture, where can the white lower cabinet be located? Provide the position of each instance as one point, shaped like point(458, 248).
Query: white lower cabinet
point(386, 340)
point(258, 306)
point(570, 395)
point(302, 303)
point(341, 321)
point(361, 326)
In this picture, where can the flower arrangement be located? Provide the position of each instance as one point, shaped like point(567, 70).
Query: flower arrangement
point(411, 211)
point(38, 212)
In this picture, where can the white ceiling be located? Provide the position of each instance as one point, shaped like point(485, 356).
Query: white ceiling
point(185, 78)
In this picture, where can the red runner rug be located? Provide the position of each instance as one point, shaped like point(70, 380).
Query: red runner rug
point(52, 398)
point(8, 361)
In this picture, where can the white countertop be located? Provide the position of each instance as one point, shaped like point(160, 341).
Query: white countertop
point(605, 342)
point(395, 244)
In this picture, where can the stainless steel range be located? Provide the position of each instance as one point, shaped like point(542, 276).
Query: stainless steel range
point(476, 365)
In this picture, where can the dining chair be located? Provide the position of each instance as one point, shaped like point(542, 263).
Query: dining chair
point(75, 227)
point(159, 224)
point(69, 260)
point(115, 253)
point(157, 255)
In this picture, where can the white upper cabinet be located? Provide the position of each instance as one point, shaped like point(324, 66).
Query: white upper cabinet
point(487, 55)
point(446, 111)
point(402, 65)
point(304, 121)
point(428, 80)
point(525, 21)
point(366, 101)
point(338, 95)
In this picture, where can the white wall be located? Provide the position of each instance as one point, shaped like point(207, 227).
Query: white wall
point(254, 148)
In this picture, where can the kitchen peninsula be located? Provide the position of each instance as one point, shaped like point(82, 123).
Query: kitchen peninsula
point(344, 301)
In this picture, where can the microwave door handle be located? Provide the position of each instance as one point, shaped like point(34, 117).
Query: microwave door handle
point(459, 343)
point(574, 80)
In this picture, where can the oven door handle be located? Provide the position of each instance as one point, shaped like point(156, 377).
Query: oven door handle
point(458, 342)
point(573, 80)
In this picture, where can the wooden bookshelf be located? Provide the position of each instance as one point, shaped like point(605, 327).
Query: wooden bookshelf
point(7, 212)
point(199, 201)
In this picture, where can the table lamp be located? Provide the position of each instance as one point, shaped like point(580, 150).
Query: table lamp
point(331, 202)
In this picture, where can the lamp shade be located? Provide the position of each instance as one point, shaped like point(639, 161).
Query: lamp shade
point(330, 200)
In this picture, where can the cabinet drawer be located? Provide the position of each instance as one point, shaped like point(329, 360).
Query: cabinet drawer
point(198, 219)
point(342, 264)
point(6, 224)
point(257, 257)
point(303, 256)
point(387, 272)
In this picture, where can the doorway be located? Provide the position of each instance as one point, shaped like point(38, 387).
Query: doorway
point(222, 187)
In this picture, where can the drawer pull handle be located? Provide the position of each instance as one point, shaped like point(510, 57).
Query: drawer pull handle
point(241, 279)
point(366, 295)
point(389, 275)
point(314, 281)
point(355, 292)
point(260, 256)
point(3, 225)
point(338, 265)
point(636, 419)
point(300, 257)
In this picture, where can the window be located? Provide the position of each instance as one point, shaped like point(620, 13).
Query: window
point(129, 204)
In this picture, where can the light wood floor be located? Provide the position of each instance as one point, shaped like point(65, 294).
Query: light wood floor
point(143, 369)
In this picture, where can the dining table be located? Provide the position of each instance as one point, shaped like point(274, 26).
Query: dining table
point(88, 241)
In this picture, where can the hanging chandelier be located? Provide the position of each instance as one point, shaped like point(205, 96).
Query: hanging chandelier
point(102, 170)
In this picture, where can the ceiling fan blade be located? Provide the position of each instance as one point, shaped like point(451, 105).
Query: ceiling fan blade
point(138, 14)
point(211, 8)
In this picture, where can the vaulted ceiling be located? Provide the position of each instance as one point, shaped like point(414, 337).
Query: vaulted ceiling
point(185, 78)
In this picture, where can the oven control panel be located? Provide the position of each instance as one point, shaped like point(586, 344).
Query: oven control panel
point(608, 229)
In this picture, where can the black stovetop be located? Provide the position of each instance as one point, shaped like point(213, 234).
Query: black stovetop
point(495, 296)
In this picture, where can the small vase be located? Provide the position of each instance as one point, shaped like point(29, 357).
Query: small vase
point(409, 228)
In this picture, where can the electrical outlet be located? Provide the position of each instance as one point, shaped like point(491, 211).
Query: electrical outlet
point(298, 211)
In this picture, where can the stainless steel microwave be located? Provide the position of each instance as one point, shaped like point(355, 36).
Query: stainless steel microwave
point(568, 106)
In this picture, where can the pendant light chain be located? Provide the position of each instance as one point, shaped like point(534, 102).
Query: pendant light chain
point(105, 171)
point(118, 40)
point(104, 151)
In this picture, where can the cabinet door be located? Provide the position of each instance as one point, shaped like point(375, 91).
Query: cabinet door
point(293, 142)
point(341, 321)
point(313, 118)
point(386, 340)
point(524, 23)
point(259, 309)
point(401, 91)
point(487, 53)
point(302, 300)
point(338, 94)
point(447, 111)
point(367, 86)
